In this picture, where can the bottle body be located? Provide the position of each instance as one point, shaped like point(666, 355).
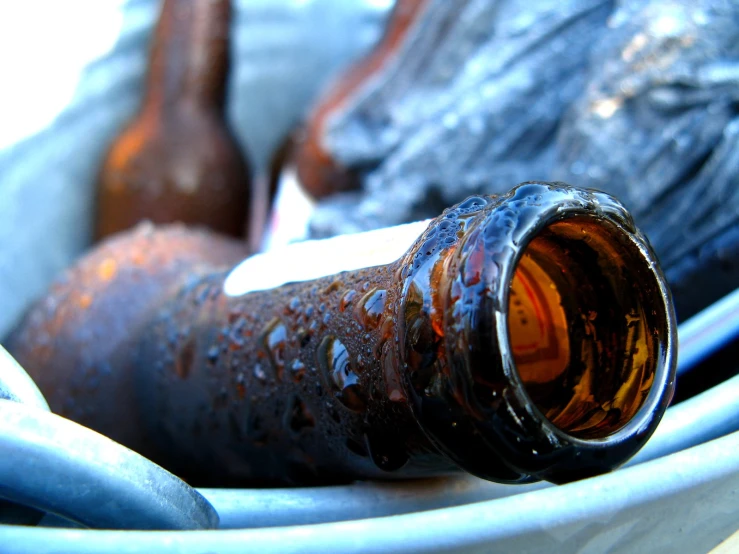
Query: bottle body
point(285, 386)
point(526, 336)
point(177, 160)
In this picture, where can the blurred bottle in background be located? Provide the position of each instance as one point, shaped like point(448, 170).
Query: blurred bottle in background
point(318, 171)
point(177, 160)
point(302, 169)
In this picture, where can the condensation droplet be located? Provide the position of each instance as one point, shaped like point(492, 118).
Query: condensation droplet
point(333, 359)
point(393, 386)
point(259, 373)
point(294, 304)
point(297, 370)
point(346, 300)
point(388, 453)
point(241, 385)
point(213, 353)
point(370, 308)
point(274, 341)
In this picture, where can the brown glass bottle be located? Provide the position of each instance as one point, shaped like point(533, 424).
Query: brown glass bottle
point(177, 161)
point(319, 173)
point(527, 336)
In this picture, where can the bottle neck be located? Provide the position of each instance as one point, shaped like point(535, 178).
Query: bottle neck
point(189, 56)
point(540, 322)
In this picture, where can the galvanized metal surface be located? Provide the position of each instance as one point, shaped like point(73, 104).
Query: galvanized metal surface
point(708, 416)
point(51, 465)
point(55, 465)
point(708, 331)
point(17, 385)
point(684, 501)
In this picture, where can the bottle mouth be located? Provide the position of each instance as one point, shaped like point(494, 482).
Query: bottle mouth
point(585, 326)
point(548, 349)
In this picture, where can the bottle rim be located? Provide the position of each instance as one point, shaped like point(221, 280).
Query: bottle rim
point(506, 227)
point(644, 420)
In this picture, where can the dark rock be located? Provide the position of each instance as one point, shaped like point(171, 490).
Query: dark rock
point(638, 99)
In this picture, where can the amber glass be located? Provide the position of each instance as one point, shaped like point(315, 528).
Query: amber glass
point(319, 173)
point(572, 314)
point(519, 337)
point(177, 161)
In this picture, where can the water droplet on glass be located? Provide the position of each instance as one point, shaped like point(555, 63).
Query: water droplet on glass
point(241, 384)
point(274, 342)
point(297, 370)
point(294, 304)
point(213, 353)
point(472, 204)
point(346, 300)
point(393, 387)
point(370, 308)
point(259, 373)
point(333, 359)
point(305, 335)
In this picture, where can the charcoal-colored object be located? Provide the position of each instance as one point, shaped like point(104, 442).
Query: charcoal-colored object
point(498, 339)
point(658, 127)
point(637, 99)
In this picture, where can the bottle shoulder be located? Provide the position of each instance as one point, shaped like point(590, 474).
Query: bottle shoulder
point(188, 151)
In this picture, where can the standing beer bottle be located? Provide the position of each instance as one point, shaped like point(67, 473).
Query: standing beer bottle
point(177, 160)
point(527, 336)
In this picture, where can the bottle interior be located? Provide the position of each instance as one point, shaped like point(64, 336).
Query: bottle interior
point(585, 324)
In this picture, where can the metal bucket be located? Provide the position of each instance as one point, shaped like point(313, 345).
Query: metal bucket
point(678, 494)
